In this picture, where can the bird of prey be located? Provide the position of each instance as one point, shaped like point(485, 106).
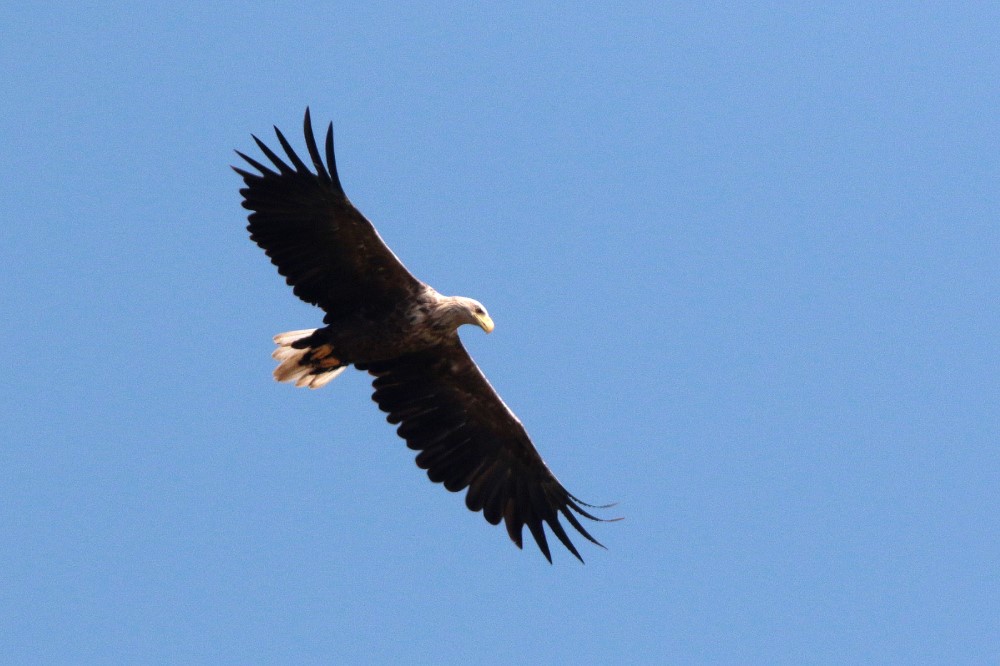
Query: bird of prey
point(382, 320)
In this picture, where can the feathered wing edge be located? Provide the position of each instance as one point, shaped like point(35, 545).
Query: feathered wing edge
point(325, 172)
point(467, 438)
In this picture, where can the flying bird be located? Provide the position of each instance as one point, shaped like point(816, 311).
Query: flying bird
point(382, 320)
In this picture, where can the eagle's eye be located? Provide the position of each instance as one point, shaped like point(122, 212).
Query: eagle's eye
point(479, 310)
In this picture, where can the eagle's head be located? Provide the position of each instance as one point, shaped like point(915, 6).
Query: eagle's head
point(458, 310)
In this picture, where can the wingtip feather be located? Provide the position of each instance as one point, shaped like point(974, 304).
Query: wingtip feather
point(271, 155)
point(314, 155)
point(292, 156)
point(331, 159)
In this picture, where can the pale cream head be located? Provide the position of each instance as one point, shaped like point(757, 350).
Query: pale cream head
point(458, 310)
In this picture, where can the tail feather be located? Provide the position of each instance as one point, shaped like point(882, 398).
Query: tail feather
point(306, 365)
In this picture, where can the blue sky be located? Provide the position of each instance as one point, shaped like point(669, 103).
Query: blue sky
point(743, 263)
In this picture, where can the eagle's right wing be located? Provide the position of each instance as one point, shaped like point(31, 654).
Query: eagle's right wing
point(327, 250)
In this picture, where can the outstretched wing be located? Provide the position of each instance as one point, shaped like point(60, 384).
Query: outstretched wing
point(327, 250)
point(467, 437)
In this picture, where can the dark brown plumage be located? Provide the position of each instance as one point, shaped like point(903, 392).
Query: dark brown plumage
point(384, 321)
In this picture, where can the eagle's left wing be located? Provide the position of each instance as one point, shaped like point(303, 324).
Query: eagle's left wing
point(468, 437)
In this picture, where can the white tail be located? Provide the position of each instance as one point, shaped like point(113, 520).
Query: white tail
point(311, 366)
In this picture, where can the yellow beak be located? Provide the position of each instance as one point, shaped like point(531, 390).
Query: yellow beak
point(485, 322)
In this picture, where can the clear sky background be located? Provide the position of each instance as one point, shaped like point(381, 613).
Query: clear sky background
point(743, 262)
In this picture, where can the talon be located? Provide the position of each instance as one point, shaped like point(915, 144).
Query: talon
point(328, 362)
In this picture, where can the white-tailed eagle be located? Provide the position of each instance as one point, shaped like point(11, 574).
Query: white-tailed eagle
point(388, 323)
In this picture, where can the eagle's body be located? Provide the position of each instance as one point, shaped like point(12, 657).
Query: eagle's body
point(383, 320)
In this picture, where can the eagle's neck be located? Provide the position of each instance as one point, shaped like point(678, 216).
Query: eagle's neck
point(449, 312)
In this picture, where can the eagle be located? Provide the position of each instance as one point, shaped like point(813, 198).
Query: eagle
point(384, 321)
